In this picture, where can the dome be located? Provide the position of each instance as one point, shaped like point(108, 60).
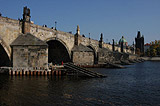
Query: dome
point(123, 40)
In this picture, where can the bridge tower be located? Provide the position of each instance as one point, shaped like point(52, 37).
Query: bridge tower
point(139, 44)
point(26, 20)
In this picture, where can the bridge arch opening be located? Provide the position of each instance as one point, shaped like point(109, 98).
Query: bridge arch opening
point(95, 54)
point(57, 52)
point(4, 58)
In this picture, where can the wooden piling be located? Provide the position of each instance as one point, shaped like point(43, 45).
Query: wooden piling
point(10, 72)
point(27, 73)
point(24, 72)
point(13, 72)
point(59, 72)
point(16, 73)
point(56, 72)
point(53, 73)
point(39, 73)
point(45, 73)
point(49, 73)
point(20, 72)
point(35, 73)
point(31, 73)
point(42, 73)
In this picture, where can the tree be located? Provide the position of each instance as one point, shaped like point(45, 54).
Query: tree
point(158, 50)
point(148, 52)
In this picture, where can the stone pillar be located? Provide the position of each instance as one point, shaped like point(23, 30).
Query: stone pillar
point(113, 48)
point(26, 20)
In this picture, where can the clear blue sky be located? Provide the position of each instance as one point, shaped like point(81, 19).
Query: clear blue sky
point(113, 18)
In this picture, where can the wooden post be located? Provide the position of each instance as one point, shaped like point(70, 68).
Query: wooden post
point(31, 73)
point(24, 72)
point(20, 72)
point(49, 72)
point(45, 73)
point(42, 73)
point(39, 73)
point(52, 73)
point(56, 72)
point(16, 73)
point(28, 72)
point(10, 72)
point(35, 73)
point(13, 72)
point(59, 72)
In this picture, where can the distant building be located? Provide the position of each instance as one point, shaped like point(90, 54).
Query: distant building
point(139, 43)
point(146, 46)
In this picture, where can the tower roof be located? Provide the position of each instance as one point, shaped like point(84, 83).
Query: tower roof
point(138, 34)
point(28, 40)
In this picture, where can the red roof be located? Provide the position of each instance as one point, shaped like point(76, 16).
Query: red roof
point(147, 44)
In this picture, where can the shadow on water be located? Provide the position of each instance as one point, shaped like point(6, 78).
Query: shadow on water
point(137, 84)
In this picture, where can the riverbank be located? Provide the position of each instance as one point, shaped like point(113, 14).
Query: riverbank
point(151, 58)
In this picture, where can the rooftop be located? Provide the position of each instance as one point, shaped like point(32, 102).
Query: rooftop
point(27, 40)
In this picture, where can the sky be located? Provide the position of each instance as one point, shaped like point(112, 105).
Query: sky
point(113, 18)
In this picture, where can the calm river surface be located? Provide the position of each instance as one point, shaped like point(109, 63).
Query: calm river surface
point(138, 84)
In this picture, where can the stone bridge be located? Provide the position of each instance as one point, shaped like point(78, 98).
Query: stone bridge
point(10, 29)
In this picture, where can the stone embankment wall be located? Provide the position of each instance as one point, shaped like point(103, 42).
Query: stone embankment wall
point(151, 58)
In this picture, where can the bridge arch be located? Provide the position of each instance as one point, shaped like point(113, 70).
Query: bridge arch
point(57, 51)
point(5, 54)
point(95, 53)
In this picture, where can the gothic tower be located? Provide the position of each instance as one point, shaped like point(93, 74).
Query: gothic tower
point(139, 46)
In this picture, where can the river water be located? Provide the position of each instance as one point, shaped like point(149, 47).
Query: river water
point(138, 84)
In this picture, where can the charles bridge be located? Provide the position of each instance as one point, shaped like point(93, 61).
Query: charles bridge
point(61, 45)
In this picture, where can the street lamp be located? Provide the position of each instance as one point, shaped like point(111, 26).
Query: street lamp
point(55, 25)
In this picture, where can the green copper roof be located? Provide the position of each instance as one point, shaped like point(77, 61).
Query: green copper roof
point(122, 40)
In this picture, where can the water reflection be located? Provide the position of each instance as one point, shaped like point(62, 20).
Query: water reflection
point(136, 85)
